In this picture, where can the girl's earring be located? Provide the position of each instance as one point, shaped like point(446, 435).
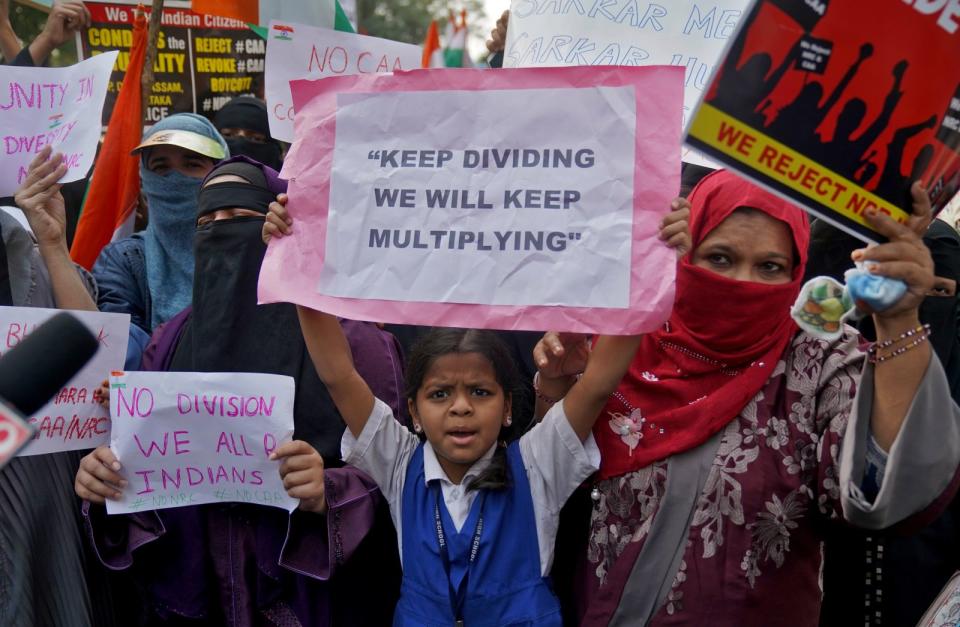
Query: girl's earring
point(509, 420)
point(417, 427)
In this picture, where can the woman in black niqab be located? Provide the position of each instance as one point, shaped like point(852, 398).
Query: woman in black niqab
point(227, 331)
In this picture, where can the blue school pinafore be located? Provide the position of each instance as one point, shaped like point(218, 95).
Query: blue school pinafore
point(503, 583)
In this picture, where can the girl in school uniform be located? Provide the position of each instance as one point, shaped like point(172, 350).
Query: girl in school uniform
point(476, 520)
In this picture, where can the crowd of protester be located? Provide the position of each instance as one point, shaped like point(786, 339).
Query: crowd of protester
point(771, 478)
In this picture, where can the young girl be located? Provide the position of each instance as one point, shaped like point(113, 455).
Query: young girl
point(476, 522)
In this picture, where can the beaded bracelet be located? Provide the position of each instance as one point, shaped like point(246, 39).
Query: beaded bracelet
point(543, 397)
point(903, 336)
point(874, 358)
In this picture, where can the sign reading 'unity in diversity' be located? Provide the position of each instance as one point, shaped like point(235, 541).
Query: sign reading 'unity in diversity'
point(57, 107)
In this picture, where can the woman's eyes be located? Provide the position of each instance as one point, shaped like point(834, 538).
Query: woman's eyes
point(719, 260)
point(770, 267)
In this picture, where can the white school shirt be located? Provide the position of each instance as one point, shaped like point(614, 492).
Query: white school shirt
point(555, 459)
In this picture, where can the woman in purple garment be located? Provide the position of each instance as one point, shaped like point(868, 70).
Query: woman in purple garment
point(239, 564)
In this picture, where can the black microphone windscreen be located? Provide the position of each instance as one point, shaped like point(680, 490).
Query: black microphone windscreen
point(38, 367)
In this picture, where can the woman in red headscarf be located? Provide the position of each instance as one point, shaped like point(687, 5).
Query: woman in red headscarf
point(735, 436)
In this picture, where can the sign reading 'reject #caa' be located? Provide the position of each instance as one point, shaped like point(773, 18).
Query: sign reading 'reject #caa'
point(58, 107)
point(483, 213)
point(194, 438)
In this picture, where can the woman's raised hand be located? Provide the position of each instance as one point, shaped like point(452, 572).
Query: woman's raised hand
point(98, 477)
point(904, 256)
point(40, 199)
point(278, 223)
point(560, 355)
point(302, 474)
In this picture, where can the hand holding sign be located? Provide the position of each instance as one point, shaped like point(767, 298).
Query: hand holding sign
point(98, 477)
point(278, 222)
point(498, 36)
point(302, 474)
point(675, 227)
point(66, 18)
point(903, 257)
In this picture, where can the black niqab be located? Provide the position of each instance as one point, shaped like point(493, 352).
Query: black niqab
point(249, 113)
point(229, 332)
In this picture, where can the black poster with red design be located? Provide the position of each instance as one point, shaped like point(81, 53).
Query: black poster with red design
point(841, 104)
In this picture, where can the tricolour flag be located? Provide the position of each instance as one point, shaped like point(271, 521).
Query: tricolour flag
point(432, 52)
point(108, 210)
point(455, 54)
point(310, 12)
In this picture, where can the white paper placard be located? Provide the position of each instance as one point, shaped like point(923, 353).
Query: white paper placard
point(193, 438)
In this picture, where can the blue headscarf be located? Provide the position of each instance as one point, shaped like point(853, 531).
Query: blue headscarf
point(172, 203)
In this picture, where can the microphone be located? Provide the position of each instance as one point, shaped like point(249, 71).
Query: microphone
point(39, 366)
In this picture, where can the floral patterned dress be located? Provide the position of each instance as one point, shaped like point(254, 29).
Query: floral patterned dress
point(753, 548)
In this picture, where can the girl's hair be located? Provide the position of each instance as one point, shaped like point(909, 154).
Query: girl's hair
point(442, 341)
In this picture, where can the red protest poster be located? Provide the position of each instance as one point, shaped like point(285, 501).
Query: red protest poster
point(14, 434)
point(840, 104)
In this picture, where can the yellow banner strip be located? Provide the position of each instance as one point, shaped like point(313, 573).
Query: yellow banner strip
point(776, 161)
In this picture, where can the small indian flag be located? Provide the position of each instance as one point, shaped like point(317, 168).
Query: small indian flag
point(455, 54)
point(310, 12)
point(283, 32)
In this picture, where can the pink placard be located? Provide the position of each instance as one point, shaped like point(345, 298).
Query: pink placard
point(293, 269)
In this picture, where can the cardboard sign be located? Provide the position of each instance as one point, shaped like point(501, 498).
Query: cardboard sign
point(493, 219)
point(56, 107)
point(72, 419)
point(839, 119)
point(194, 438)
point(297, 51)
point(691, 34)
point(202, 62)
point(14, 433)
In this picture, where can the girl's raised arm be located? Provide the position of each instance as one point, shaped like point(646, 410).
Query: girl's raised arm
point(607, 364)
point(333, 360)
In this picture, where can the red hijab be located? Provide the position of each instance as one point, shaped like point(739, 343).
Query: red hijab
point(721, 344)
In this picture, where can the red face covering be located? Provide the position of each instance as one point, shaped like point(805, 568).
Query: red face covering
point(723, 340)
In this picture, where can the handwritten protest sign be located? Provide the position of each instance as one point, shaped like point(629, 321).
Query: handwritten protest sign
point(839, 119)
point(688, 33)
point(194, 438)
point(58, 107)
point(493, 219)
point(297, 51)
point(72, 419)
point(15, 433)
